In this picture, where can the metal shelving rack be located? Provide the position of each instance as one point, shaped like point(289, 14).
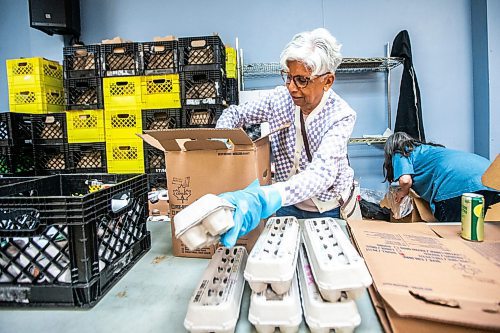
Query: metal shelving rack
point(348, 66)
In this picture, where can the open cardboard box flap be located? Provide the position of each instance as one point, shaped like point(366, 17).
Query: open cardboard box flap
point(421, 276)
point(196, 138)
point(491, 177)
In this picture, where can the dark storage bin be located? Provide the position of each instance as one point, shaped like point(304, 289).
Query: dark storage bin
point(122, 59)
point(15, 128)
point(70, 241)
point(83, 61)
point(161, 119)
point(88, 157)
point(84, 94)
point(157, 180)
point(154, 160)
point(17, 160)
point(202, 117)
point(52, 159)
point(49, 128)
point(202, 53)
point(232, 93)
point(160, 57)
point(203, 88)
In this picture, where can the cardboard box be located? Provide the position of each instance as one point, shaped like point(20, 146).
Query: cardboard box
point(198, 162)
point(491, 178)
point(421, 210)
point(424, 283)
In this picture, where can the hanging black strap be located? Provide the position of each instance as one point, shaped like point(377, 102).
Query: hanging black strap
point(304, 138)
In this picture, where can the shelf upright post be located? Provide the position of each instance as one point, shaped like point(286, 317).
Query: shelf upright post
point(388, 87)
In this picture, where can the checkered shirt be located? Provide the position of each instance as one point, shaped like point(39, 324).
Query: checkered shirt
point(328, 131)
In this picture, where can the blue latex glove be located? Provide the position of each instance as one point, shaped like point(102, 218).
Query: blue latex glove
point(253, 203)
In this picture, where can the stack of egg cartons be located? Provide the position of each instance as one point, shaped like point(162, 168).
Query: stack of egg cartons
point(121, 64)
point(270, 272)
point(161, 100)
point(84, 108)
point(331, 275)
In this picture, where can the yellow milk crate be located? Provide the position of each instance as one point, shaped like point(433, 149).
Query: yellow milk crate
point(34, 71)
point(123, 91)
point(231, 72)
point(36, 99)
point(85, 126)
point(161, 91)
point(122, 123)
point(125, 156)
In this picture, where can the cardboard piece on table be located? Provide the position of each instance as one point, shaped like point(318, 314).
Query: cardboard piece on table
point(115, 40)
point(491, 231)
point(427, 283)
point(491, 177)
point(168, 38)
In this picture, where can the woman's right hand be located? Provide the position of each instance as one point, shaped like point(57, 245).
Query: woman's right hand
point(405, 182)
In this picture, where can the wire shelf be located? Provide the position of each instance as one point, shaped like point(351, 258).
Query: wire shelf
point(367, 141)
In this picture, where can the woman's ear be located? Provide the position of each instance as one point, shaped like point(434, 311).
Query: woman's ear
point(330, 78)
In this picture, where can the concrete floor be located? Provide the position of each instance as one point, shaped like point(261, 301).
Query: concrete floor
point(152, 297)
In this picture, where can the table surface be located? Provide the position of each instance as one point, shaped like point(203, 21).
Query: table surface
point(152, 297)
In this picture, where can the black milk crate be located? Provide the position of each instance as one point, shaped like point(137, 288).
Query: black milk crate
point(202, 117)
point(232, 93)
point(202, 53)
point(157, 180)
point(161, 119)
point(154, 160)
point(15, 128)
point(160, 57)
point(51, 128)
point(82, 61)
point(203, 88)
point(52, 159)
point(17, 160)
point(16, 185)
point(72, 239)
point(122, 59)
point(88, 157)
point(84, 94)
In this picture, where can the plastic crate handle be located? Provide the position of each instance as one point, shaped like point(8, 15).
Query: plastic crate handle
point(159, 81)
point(120, 50)
point(158, 48)
point(24, 63)
point(52, 67)
point(20, 222)
point(198, 43)
point(81, 53)
point(121, 83)
point(55, 93)
point(121, 202)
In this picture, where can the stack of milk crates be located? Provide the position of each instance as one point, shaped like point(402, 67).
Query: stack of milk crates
point(84, 108)
point(36, 124)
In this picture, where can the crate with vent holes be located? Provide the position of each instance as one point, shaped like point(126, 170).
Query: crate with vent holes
point(82, 61)
point(122, 123)
point(161, 91)
point(17, 160)
point(71, 238)
point(36, 99)
point(160, 57)
point(15, 128)
point(231, 62)
point(157, 180)
point(83, 94)
point(154, 160)
point(232, 93)
point(52, 159)
point(121, 92)
point(49, 128)
point(85, 126)
point(123, 59)
point(205, 116)
point(161, 119)
point(125, 155)
point(34, 71)
point(203, 88)
point(202, 53)
point(88, 157)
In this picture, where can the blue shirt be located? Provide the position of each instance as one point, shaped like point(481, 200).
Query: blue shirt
point(439, 173)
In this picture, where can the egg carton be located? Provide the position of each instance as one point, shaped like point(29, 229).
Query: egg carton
point(269, 310)
point(322, 316)
point(201, 223)
point(335, 264)
point(215, 303)
point(274, 256)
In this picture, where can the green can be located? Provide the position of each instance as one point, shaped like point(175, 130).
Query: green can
point(473, 217)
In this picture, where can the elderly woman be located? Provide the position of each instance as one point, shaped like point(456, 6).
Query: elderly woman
point(313, 176)
point(439, 175)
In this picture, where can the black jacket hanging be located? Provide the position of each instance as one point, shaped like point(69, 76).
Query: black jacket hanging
point(409, 115)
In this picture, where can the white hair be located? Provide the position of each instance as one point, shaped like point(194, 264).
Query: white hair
point(317, 49)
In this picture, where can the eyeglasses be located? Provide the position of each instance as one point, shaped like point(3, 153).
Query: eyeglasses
point(299, 80)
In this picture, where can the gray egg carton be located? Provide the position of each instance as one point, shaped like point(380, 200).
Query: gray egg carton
point(322, 316)
point(334, 261)
point(274, 255)
point(269, 310)
point(215, 303)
